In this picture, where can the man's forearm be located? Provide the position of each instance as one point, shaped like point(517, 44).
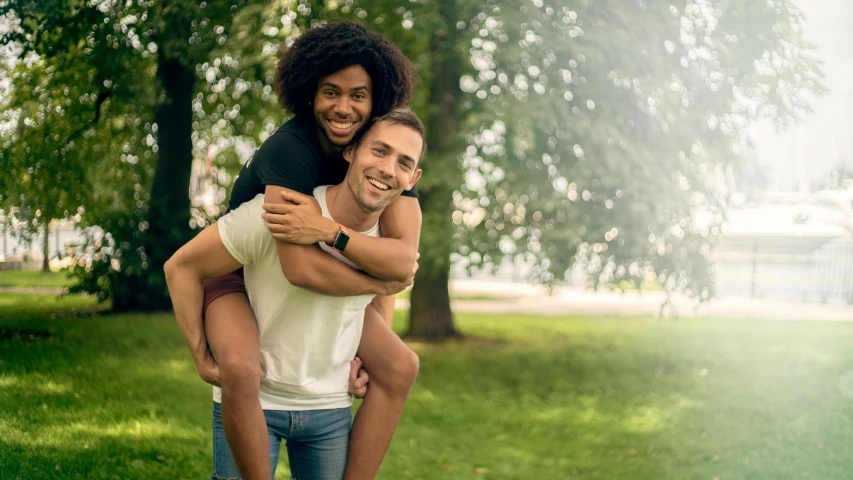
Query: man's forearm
point(317, 271)
point(385, 258)
point(393, 256)
point(187, 295)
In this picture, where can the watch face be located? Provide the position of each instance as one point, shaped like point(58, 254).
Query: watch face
point(341, 241)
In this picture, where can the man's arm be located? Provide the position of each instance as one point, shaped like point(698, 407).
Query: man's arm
point(203, 257)
point(296, 219)
point(308, 267)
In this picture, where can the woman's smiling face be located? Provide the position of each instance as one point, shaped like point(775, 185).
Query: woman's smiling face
point(342, 104)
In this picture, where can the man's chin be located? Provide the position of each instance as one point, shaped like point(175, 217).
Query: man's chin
point(371, 206)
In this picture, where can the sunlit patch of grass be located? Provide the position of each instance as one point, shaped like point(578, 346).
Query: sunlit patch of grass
point(52, 387)
point(8, 381)
point(37, 304)
point(645, 419)
point(33, 278)
point(54, 436)
point(116, 396)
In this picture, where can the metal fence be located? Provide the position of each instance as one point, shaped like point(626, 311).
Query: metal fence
point(808, 268)
point(817, 269)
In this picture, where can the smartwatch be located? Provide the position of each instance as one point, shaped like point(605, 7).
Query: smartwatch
point(341, 240)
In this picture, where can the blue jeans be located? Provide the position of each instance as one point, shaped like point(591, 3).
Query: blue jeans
point(317, 443)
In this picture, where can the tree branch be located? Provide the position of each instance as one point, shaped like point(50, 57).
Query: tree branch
point(102, 97)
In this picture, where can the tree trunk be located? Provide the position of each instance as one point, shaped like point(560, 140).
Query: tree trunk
point(169, 214)
point(430, 311)
point(45, 263)
point(430, 314)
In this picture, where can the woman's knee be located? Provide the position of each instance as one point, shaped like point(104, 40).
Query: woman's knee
point(401, 373)
point(410, 368)
point(240, 374)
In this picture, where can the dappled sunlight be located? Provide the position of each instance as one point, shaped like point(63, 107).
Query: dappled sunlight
point(548, 414)
point(8, 381)
point(646, 419)
point(422, 395)
point(52, 388)
point(591, 415)
point(578, 397)
point(180, 367)
point(59, 434)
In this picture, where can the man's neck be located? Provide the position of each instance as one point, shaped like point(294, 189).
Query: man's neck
point(345, 210)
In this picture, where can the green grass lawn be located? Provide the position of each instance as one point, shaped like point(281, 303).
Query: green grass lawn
point(33, 278)
point(86, 395)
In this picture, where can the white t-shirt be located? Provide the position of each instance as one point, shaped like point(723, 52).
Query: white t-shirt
point(307, 339)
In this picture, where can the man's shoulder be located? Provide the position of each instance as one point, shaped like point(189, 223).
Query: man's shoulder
point(319, 193)
point(244, 233)
point(248, 211)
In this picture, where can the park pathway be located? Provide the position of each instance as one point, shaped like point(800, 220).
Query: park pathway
point(39, 290)
point(513, 298)
point(528, 299)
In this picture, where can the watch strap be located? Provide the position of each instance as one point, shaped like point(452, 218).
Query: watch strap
point(341, 239)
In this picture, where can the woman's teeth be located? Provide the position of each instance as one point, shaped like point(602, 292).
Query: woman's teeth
point(342, 126)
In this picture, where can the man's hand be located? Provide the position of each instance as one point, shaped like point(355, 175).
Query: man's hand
point(358, 378)
point(392, 287)
point(299, 220)
point(208, 369)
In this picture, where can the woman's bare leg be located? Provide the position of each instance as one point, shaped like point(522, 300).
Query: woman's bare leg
point(232, 333)
point(393, 368)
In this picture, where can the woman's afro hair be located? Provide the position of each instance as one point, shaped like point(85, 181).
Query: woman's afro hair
point(328, 48)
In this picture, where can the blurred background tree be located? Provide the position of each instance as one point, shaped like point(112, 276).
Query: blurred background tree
point(119, 97)
point(575, 134)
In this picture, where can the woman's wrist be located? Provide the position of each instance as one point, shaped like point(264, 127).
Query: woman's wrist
point(331, 229)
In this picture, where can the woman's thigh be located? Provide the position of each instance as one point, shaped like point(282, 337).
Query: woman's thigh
point(231, 329)
point(383, 352)
point(319, 443)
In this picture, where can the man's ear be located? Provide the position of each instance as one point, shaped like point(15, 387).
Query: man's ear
point(349, 152)
point(415, 178)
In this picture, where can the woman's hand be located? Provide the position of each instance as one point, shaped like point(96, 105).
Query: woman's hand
point(299, 220)
point(358, 378)
point(207, 368)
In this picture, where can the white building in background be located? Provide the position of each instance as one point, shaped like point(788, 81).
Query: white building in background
point(798, 158)
point(788, 246)
point(791, 241)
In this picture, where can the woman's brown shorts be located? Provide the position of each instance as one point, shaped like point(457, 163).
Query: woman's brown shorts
point(219, 286)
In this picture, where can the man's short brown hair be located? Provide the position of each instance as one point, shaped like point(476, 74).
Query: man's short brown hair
point(397, 116)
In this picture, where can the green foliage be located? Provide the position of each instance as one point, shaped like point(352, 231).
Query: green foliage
point(592, 128)
point(82, 141)
point(522, 397)
point(575, 134)
point(608, 119)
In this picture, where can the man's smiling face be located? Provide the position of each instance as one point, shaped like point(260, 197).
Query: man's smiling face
point(384, 163)
point(342, 104)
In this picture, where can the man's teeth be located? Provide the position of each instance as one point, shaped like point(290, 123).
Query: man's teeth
point(378, 184)
point(342, 126)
